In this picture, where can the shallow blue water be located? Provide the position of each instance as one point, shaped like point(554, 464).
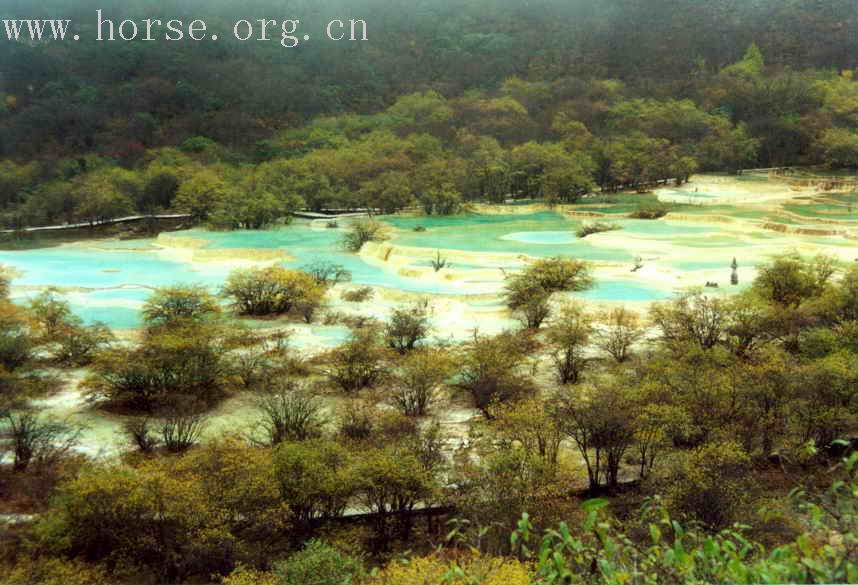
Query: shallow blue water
point(537, 234)
point(542, 238)
point(662, 228)
point(619, 290)
point(100, 268)
point(100, 272)
point(307, 244)
point(711, 261)
point(115, 317)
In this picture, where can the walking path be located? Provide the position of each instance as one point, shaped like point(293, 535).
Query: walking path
point(95, 223)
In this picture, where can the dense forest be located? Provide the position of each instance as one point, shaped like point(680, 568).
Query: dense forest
point(447, 102)
point(704, 442)
point(700, 438)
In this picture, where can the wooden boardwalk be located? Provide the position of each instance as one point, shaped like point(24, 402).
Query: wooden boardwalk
point(130, 219)
point(333, 215)
point(96, 223)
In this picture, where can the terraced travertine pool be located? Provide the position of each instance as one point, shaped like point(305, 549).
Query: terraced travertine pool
point(108, 280)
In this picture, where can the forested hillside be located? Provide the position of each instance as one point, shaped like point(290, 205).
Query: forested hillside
point(446, 101)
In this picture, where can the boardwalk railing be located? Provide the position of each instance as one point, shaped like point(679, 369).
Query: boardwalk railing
point(767, 170)
point(97, 223)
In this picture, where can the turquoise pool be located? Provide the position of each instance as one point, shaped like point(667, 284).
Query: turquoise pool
point(619, 290)
point(537, 234)
point(109, 281)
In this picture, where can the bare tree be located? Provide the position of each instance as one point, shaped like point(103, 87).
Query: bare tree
point(327, 273)
point(258, 355)
point(691, 318)
point(41, 441)
point(289, 412)
point(622, 330)
point(181, 429)
point(407, 327)
point(599, 420)
point(568, 338)
point(415, 384)
point(140, 432)
point(356, 421)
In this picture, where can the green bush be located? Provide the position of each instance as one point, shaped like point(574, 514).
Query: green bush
point(190, 361)
point(15, 342)
point(318, 564)
point(711, 484)
point(359, 362)
point(595, 228)
point(650, 211)
point(177, 303)
point(274, 291)
point(315, 478)
point(407, 327)
point(63, 333)
point(677, 553)
point(358, 295)
point(492, 370)
point(197, 144)
point(527, 293)
point(361, 232)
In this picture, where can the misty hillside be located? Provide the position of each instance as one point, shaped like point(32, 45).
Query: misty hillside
point(77, 94)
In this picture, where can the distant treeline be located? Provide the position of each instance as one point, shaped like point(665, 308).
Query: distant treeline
point(447, 102)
